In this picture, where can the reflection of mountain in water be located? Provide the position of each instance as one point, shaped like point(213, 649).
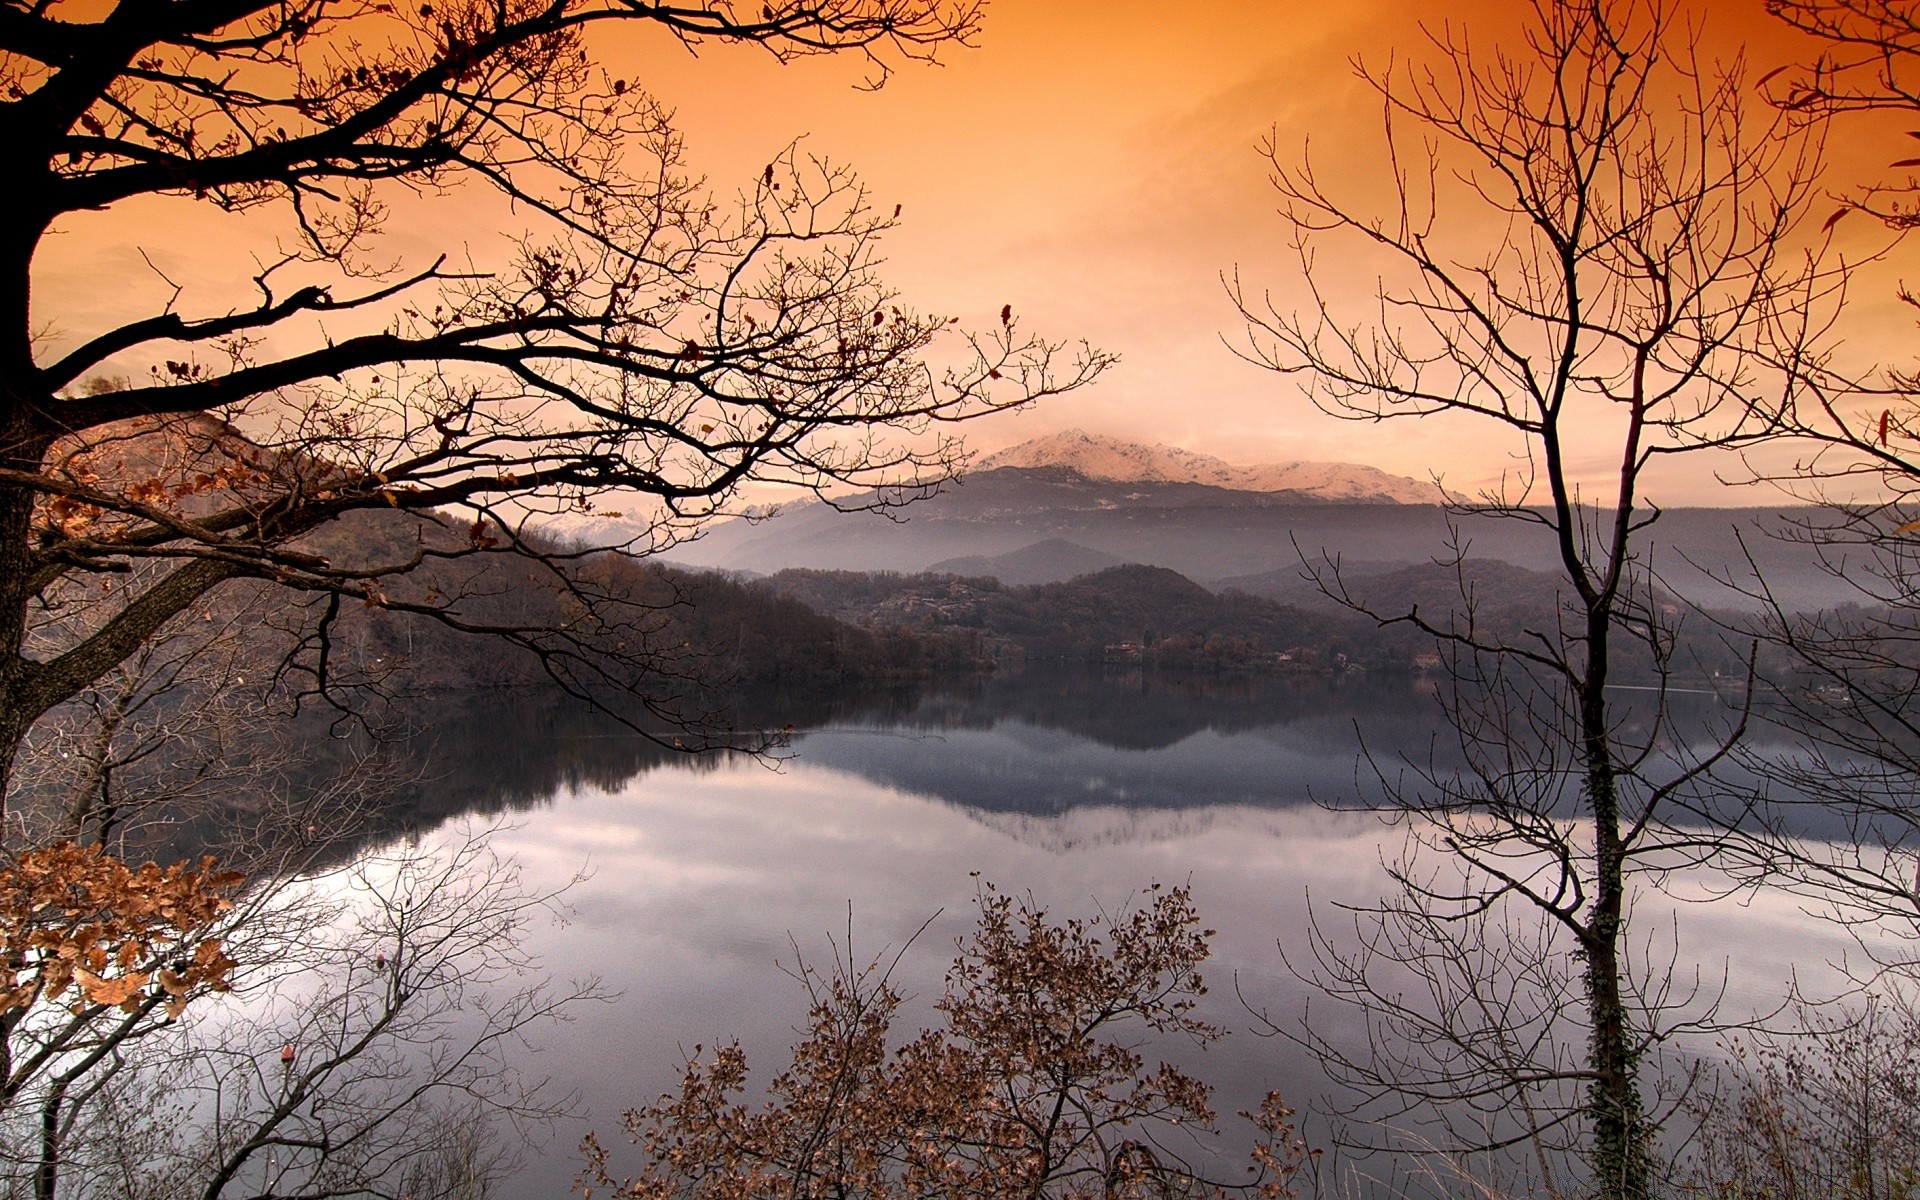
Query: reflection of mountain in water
point(1021, 768)
point(1137, 709)
point(1041, 744)
point(1047, 742)
point(1084, 828)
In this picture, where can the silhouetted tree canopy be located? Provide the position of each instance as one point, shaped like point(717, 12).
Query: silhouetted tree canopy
point(643, 336)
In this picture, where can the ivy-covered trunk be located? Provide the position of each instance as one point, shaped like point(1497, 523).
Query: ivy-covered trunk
point(1620, 1158)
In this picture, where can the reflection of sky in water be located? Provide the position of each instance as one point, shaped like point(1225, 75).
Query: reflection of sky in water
point(703, 881)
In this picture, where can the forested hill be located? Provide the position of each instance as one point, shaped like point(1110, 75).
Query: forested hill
point(1174, 621)
point(459, 577)
point(1150, 607)
point(696, 628)
point(803, 627)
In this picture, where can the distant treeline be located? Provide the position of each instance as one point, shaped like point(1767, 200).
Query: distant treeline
point(1156, 614)
point(661, 630)
point(702, 628)
point(1166, 619)
point(656, 627)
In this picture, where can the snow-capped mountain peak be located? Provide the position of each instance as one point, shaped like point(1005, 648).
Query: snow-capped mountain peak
point(1099, 457)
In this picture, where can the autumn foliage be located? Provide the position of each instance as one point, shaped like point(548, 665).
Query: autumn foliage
point(1032, 1086)
point(82, 928)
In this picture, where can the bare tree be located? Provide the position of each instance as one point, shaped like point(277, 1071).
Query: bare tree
point(367, 1048)
point(1864, 63)
point(1831, 1109)
point(371, 432)
point(646, 339)
point(1598, 250)
point(1833, 815)
point(170, 733)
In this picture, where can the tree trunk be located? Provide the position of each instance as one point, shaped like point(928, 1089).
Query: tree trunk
point(19, 449)
point(46, 1172)
point(24, 441)
point(1621, 1166)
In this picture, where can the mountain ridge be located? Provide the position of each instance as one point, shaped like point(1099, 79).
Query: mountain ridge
point(1111, 459)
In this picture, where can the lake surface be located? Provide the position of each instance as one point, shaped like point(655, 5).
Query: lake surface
point(706, 877)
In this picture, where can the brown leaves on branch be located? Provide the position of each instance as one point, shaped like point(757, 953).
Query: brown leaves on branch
point(80, 927)
point(1032, 1086)
point(105, 487)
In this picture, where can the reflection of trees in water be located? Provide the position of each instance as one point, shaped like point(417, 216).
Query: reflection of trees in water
point(490, 752)
point(493, 751)
point(1060, 738)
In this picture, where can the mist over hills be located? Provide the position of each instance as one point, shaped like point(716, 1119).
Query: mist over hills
point(1042, 517)
point(1055, 560)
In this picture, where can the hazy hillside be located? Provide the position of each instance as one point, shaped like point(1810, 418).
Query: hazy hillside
point(1052, 561)
point(1057, 507)
point(1493, 589)
point(1211, 534)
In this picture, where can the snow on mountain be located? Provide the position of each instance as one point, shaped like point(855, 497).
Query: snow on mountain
point(1098, 457)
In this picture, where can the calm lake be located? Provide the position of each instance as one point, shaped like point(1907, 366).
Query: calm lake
point(706, 878)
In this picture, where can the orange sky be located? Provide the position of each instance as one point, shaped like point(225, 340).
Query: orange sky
point(1095, 164)
point(1091, 162)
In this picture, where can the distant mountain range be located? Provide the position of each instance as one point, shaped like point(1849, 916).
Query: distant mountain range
point(1109, 459)
point(1066, 505)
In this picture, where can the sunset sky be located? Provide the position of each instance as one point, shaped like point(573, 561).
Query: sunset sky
point(1096, 164)
point(1093, 163)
